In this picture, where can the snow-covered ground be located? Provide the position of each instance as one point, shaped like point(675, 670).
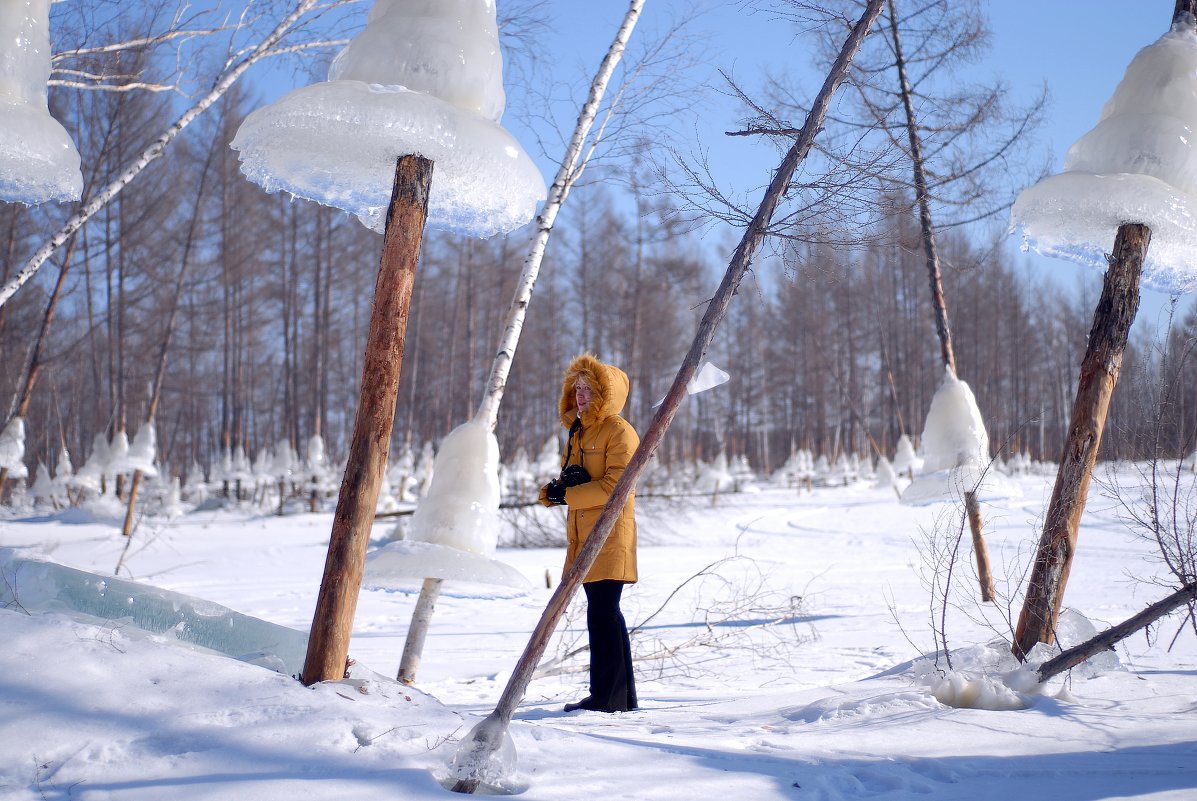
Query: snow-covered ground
point(781, 634)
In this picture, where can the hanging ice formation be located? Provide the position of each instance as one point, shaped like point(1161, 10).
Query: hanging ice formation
point(1138, 165)
point(424, 77)
point(38, 159)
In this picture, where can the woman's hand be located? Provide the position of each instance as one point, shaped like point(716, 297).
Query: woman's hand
point(573, 475)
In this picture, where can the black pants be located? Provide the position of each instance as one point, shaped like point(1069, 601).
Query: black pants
point(612, 684)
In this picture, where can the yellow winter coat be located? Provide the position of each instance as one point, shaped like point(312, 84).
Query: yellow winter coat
point(603, 445)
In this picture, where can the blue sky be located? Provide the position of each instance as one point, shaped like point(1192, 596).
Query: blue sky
point(1079, 50)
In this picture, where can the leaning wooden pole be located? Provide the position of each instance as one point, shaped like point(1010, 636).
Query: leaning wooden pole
point(488, 735)
point(332, 624)
point(1106, 640)
point(980, 550)
point(1099, 374)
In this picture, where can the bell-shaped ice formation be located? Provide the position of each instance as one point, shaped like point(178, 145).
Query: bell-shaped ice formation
point(955, 450)
point(424, 78)
point(38, 160)
point(454, 530)
point(1138, 165)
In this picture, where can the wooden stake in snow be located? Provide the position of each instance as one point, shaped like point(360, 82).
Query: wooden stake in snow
point(488, 408)
point(472, 762)
point(328, 644)
point(439, 95)
point(1099, 374)
point(980, 550)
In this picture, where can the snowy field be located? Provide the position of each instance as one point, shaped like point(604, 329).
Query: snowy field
point(781, 636)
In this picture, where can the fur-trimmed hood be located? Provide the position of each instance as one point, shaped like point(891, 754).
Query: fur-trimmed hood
point(610, 385)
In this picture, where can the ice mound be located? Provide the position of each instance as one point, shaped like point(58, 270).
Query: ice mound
point(1137, 165)
point(989, 677)
point(399, 564)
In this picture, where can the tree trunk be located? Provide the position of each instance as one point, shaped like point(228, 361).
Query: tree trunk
point(1106, 640)
point(488, 735)
point(1099, 374)
point(20, 404)
point(332, 624)
point(935, 279)
point(942, 328)
point(168, 334)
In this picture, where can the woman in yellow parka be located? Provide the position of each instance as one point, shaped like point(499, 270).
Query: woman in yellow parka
point(600, 445)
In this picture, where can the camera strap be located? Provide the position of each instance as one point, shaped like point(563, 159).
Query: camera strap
point(569, 441)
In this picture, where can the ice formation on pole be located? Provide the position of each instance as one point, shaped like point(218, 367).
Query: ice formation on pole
point(38, 160)
point(118, 455)
point(12, 448)
point(1138, 165)
point(424, 77)
point(454, 530)
point(906, 461)
point(143, 452)
point(955, 449)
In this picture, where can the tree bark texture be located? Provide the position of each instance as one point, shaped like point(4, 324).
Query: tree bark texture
point(1099, 374)
point(980, 549)
point(1107, 639)
point(488, 735)
point(332, 624)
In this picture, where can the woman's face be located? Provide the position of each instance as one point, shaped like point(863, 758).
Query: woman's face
point(582, 394)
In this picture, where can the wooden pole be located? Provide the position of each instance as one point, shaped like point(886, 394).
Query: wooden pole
point(980, 550)
point(417, 630)
point(332, 624)
point(488, 735)
point(1099, 374)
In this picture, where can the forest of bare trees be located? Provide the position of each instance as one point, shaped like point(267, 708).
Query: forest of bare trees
point(830, 347)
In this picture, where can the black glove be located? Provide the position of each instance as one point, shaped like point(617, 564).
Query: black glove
point(573, 475)
point(555, 491)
